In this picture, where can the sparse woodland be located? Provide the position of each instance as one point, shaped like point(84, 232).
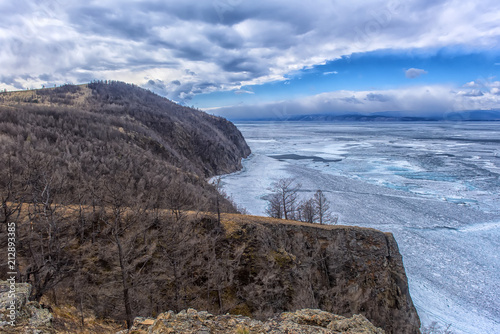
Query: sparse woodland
point(284, 203)
point(90, 172)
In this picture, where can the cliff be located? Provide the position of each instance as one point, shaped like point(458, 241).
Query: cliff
point(339, 269)
point(250, 266)
point(30, 317)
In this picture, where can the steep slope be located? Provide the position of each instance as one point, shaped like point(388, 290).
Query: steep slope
point(246, 265)
point(95, 149)
point(84, 140)
point(186, 138)
point(284, 265)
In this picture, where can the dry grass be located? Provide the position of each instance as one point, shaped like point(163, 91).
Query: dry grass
point(232, 222)
point(68, 319)
point(18, 97)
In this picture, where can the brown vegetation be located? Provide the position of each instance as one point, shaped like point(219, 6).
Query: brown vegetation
point(98, 180)
point(83, 164)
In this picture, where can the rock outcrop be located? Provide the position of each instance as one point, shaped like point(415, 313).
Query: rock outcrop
point(18, 314)
point(307, 321)
point(284, 265)
point(259, 267)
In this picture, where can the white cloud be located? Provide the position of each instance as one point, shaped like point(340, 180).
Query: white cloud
point(332, 72)
point(242, 91)
point(471, 93)
point(471, 84)
point(495, 91)
point(413, 73)
point(479, 87)
point(436, 100)
point(229, 46)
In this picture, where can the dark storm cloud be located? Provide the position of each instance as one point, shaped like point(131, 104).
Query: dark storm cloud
point(205, 85)
point(227, 12)
point(115, 22)
point(157, 84)
point(227, 39)
point(46, 77)
point(12, 81)
point(241, 65)
point(190, 52)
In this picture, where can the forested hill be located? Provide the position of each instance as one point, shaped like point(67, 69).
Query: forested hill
point(113, 134)
point(105, 187)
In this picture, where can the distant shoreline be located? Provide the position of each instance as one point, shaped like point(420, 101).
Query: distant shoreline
point(464, 116)
point(302, 157)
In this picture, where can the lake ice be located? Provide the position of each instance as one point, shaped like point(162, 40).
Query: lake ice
point(435, 186)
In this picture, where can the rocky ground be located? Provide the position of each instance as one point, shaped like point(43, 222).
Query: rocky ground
point(31, 317)
point(306, 321)
point(27, 316)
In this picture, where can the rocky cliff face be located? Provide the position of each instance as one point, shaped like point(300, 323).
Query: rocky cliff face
point(344, 270)
point(250, 266)
point(261, 267)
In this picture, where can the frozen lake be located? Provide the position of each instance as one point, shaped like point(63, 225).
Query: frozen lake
point(435, 186)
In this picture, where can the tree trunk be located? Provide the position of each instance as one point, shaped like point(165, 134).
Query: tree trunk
point(126, 298)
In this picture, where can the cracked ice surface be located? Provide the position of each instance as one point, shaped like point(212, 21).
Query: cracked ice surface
point(435, 186)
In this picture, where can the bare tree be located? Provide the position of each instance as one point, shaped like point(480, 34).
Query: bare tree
point(287, 191)
point(47, 237)
point(176, 196)
point(217, 183)
point(308, 211)
point(11, 195)
point(274, 208)
point(119, 224)
point(322, 206)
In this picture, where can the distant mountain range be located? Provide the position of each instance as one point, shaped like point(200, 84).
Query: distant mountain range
point(469, 115)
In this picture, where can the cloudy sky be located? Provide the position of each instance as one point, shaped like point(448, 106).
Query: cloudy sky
point(244, 59)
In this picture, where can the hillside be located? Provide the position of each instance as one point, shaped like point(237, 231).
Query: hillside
point(82, 140)
point(246, 265)
point(101, 147)
point(106, 186)
point(118, 112)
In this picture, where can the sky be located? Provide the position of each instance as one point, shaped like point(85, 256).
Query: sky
point(256, 59)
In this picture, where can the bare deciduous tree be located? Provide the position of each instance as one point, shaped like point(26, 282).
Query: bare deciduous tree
point(308, 211)
point(274, 208)
point(286, 190)
point(322, 206)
